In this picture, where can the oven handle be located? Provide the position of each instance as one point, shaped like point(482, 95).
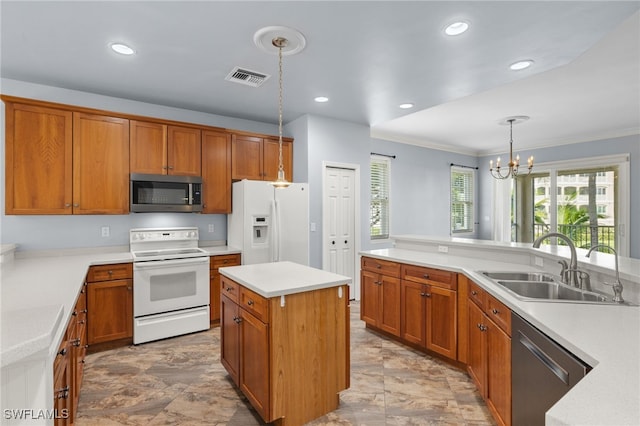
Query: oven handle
point(155, 264)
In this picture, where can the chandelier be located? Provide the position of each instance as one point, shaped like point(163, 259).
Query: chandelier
point(512, 168)
point(287, 41)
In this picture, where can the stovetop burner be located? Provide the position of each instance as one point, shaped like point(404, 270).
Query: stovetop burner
point(148, 244)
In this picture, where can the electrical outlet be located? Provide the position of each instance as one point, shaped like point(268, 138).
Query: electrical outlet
point(539, 261)
point(211, 227)
point(443, 249)
point(105, 231)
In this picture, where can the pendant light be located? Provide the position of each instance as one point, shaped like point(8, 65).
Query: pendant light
point(281, 181)
point(499, 172)
point(283, 41)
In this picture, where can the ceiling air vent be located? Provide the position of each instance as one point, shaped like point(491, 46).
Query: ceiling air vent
point(247, 77)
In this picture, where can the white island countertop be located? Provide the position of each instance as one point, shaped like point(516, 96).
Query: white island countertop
point(607, 337)
point(282, 278)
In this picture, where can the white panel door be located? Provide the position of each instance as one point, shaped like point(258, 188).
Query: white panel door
point(339, 208)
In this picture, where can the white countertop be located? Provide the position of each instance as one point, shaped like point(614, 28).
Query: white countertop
point(282, 278)
point(607, 337)
point(48, 284)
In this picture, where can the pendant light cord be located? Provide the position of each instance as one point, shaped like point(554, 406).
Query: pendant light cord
point(280, 165)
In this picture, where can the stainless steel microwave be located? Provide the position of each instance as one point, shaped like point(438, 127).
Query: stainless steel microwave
point(166, 193)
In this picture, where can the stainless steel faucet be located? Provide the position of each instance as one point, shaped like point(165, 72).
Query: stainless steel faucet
point(617, 286)
point(570, 275)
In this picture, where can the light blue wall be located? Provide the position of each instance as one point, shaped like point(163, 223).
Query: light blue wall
point(54, 231)
point(624, 145)
point(419, 178)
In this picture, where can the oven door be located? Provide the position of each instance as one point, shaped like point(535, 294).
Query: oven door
point(170, 285)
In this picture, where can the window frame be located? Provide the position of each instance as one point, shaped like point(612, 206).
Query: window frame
point(470, 205)
point(384, 204)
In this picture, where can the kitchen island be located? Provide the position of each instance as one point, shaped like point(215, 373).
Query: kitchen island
point(285, 338)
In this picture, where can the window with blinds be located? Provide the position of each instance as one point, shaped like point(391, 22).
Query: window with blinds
point(461, 200)
point(379, 203)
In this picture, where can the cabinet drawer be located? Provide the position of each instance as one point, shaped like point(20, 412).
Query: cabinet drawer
point(499, 313)
point(477, 294)
point(229, 288)
point(431, 276)
point(255, 304)
point(110, 272)
point(224, 260)
point(384, 267)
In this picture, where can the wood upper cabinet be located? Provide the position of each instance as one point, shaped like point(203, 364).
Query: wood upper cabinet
point(39, 168)
point(184, 151)
point(256, 158)
point(148, 147)
point(271, 159)
point(162, 149)
point(109, 303)
point(216, 172)
point(100, 164)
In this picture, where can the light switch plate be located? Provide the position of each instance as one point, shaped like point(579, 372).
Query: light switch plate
point(443, 249)
point(212, 227)
point(105, 231)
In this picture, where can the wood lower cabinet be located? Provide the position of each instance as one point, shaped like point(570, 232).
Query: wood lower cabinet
point(62, 381)
point(286, 359)
point(39, 168)
point(100, 164)
point(489, 357)
point(380, 301)
point(429, 309)
point(256, 158)
point(110, 303)
point(216, 262)
point(216, 172)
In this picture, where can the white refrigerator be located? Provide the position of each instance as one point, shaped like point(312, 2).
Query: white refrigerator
point(269, 224)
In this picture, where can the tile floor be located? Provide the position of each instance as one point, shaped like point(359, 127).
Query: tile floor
point(180, 381)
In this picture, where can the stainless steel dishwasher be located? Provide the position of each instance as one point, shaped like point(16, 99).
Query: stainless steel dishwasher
point(542, 372)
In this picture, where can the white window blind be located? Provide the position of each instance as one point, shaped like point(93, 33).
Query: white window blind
point(461, 200)
point(379, 204)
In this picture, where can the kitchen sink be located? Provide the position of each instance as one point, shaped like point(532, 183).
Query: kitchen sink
point(519, 276)
point(550, 291)
point(540, 286)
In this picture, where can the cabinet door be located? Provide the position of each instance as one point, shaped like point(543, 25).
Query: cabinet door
point(184, 149)
point(369, 297)
point(246, 158)
point(38, 160)
point(477, 348)
point(413, 308)
point(214, 296)
point(271, 159)
point(254, 362)
point(230, 338)
point(389, 317)
point(498, 373)
point(62, 392)
point(442, 321)
point(216, 172)
point(110, 311)
point(100, 164)
point(148, 147)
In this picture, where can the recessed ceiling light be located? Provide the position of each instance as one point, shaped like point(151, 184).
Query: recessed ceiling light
point(321, 99)
point(122, 49)
point(520, 65)
point(456, 28)
point(406, 106)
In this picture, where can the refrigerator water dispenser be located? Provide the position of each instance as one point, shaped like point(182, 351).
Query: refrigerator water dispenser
point(260, 230)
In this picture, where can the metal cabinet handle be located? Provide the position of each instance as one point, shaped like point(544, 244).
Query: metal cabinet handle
point(474, 293)
point(63, 393)
point(238, 320)
point(110, 272)
point(482, 327)
point(229, 288)
point(63, 352)
point(76, 205)
point(250, 303)
point(495, 311)
point(129, 288)
point(378, 266)
point(425, 294)
point(75, 313)
point(425, 276)
point(67, 204)
point(76, 342)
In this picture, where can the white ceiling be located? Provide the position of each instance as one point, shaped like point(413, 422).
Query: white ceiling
point(367, 57)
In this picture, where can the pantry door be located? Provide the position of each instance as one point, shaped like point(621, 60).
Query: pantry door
point(339, 223)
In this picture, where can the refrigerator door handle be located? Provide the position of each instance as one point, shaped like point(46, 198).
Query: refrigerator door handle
point(275, 231)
